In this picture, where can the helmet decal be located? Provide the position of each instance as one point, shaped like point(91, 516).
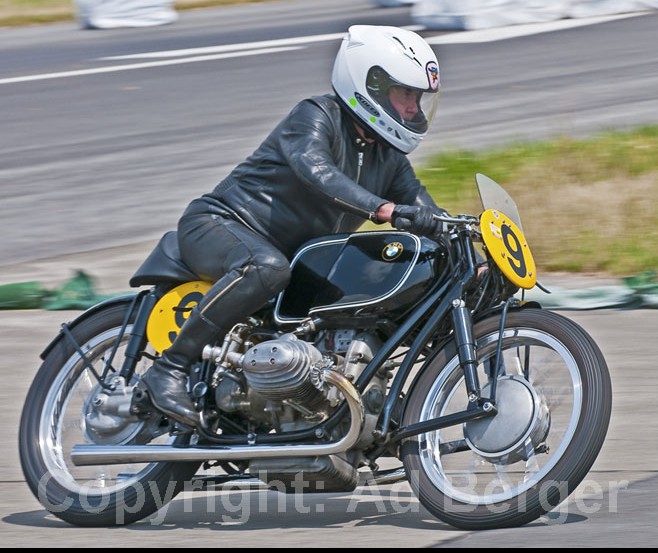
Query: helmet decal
point(366, 105)
point(432, 74)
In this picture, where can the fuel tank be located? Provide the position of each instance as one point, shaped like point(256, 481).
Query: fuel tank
point(359, 275)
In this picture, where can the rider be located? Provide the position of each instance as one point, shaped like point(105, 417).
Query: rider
point(333, 162)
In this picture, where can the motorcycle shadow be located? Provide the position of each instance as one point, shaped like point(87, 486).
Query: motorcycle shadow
point(262, 509)
point(268, 510)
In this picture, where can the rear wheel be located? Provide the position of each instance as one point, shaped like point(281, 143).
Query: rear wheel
point(67, 405)
point(554, 400)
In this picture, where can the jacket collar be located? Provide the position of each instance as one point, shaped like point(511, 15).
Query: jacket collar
point(354, 136)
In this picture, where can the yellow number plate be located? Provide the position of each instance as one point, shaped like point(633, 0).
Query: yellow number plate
point(508, 248)
point(172, 311)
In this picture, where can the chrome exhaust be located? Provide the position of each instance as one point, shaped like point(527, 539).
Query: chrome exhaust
point(91, 454)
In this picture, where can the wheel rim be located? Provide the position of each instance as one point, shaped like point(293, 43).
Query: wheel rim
point(462, 474)
point(62, 423)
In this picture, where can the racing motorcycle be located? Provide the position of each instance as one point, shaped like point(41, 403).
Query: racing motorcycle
point(389, 355)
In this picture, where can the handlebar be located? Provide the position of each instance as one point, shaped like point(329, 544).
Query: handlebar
point(458, 219)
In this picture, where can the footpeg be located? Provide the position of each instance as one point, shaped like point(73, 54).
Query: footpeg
point(141, 405)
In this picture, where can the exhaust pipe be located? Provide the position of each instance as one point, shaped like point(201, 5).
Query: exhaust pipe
point(90, 454)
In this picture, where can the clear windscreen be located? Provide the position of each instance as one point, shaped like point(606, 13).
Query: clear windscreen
point(493, 196)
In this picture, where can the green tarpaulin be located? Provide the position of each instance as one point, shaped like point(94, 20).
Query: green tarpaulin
point(76, 293)
point(635, 292)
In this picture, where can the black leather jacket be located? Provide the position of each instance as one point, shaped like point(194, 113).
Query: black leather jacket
point(313, 176)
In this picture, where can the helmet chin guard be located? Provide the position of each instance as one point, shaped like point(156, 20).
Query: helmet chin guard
point(374, 68)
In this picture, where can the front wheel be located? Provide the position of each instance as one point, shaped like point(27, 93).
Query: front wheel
point(553, 399)
point(68, 405)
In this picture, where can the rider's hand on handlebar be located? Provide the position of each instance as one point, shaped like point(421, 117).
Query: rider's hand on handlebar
point(418, 219)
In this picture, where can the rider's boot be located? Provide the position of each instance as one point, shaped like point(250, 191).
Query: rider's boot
point(166, 380)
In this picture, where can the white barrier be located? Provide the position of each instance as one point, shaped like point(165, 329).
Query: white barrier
point(482, 14)
point(112, 14)
point(394, 3)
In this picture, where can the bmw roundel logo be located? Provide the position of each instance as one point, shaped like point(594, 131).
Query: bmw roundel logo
point(392, 251)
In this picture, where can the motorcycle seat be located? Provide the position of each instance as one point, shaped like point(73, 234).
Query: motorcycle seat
point(163, 265)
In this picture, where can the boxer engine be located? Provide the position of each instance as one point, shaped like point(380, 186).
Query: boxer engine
point(277, 383)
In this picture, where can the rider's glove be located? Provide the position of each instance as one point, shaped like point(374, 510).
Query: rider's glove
point(418, 219)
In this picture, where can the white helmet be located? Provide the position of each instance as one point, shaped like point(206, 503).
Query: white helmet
point(370, 61)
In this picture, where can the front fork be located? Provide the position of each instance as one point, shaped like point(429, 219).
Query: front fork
point(466, 350)
point(478, 407)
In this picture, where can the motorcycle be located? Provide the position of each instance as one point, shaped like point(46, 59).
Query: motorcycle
point(386, 349)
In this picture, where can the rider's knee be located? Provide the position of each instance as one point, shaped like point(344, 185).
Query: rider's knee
point(273, 270)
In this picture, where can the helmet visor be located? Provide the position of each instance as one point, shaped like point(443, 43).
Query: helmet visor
point(413, 108)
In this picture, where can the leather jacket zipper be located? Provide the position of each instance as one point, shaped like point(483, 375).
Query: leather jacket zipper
point(358, 175)
point(358, 169)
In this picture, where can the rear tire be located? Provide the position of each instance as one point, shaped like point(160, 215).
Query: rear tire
point(56, 416)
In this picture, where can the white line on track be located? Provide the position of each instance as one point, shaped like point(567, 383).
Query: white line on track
point(143, 65)
point(226, 51)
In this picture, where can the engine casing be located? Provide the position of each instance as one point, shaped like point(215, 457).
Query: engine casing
point(281, 370)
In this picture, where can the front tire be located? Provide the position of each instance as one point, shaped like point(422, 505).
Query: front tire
point(61, 411)
point(554, 404)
